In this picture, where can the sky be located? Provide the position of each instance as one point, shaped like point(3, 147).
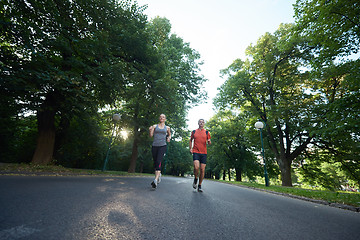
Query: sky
point(220, 30)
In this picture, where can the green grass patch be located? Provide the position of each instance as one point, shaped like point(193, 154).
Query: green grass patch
point(12, 168)
point(341, 197)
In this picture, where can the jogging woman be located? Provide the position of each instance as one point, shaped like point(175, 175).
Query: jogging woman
point(161, 134)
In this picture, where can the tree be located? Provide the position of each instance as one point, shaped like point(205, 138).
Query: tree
point(82, 144)
point(61, 57)
point(230, 147)
point(168, 87)
point(271, 87)
point(332, 30)
point(304, 106)
point(323, 170)
point(178, 160)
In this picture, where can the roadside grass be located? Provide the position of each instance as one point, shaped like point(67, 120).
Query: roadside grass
point(12, 168)
point(340, 197)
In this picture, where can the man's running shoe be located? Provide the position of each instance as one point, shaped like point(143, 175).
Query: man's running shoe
point(154, 184)
point(199, 188)
point(195, 183)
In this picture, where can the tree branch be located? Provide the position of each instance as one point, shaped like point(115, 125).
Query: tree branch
point(357, 25)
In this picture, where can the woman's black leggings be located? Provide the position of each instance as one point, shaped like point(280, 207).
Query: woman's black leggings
point(158, 155)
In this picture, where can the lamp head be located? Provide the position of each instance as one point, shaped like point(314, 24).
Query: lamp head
point(259, 125)
point(116, 117)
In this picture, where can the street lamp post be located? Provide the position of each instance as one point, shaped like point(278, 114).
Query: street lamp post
point(115, 118)
point(260, 125)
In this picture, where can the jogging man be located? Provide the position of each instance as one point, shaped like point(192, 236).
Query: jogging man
point(201, 138)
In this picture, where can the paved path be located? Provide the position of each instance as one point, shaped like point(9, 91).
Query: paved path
point(68, 208)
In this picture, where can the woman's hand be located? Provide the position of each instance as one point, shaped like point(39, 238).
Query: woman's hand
point(168, 134)
point(151, 130)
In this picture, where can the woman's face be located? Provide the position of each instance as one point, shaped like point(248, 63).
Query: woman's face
point(162, 118)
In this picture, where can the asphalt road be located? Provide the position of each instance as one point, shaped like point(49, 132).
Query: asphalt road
point(44, 207)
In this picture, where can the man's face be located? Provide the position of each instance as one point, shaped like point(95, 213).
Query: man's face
point(201, 123)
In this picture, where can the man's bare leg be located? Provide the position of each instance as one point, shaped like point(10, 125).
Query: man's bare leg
point(202, 173)
point(196, 172)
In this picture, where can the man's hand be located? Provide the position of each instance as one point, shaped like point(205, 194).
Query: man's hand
point(209, 141)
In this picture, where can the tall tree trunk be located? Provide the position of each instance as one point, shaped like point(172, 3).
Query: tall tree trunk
point(217, 175)
point(229, 173)
point(285, 169)
point(46, 132)
point(60, 137)
point(238, 174)
point(141, 166)
point(224, 174)
point(134, 154)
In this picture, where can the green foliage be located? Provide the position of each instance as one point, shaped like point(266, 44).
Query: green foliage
point(302, 83)
point(317, 172)
point(64, 60)
point(18, 139)
point(270, 86)
point(83, 144)
point(339, 129)
point(178, 159)
point(145, 161)
point(230, 147)
point(331, 28)
point(65, 48)
point(168, 87)
point(63, 57)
